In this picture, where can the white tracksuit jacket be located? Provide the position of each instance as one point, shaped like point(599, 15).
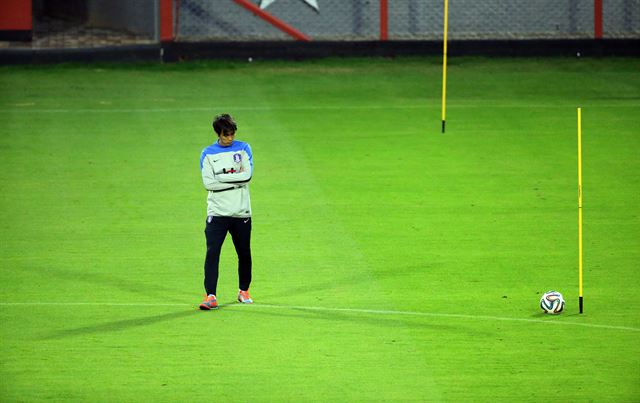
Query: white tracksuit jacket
point(226, 172)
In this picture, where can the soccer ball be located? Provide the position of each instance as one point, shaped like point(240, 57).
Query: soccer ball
point(552, 302)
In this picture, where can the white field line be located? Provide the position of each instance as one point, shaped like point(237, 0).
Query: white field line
point(13, 109)
point(343, 310)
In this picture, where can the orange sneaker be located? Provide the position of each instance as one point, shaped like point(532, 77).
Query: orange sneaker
point(244, 297)
point(209, 303)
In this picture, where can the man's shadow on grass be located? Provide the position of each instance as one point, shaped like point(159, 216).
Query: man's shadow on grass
point(104, 280)
point(267, 312)
point(359, 318)
point(119, 325)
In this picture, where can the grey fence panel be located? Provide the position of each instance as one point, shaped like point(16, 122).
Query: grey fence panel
point(407, 19)
point(101, 23)
point(621, 18)
point(520, 19)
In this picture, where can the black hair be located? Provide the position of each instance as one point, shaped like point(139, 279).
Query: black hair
point(224, 123)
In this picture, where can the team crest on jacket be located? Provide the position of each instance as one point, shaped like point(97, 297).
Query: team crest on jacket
point(237, 157)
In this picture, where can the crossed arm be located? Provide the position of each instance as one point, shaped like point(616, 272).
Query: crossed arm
point(224, 179)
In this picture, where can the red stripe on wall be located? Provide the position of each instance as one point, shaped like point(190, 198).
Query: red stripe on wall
point(384, 20)
point(166, 21)
point(597, 19)
point(15, 15)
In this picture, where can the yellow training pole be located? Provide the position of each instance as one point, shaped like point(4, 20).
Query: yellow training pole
point(580, 299)
point(444, 65)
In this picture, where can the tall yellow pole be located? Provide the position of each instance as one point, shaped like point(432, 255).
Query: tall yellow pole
point(444, 65)
point(580, 299)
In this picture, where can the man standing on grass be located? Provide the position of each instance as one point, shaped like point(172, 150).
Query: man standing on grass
point(227, 166)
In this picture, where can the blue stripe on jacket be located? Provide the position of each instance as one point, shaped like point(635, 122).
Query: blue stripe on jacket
point(216, 148)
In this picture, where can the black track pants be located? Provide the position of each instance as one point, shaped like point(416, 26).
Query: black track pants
point(215, 232)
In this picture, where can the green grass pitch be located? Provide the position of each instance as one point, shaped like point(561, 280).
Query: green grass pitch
point(391, 262)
